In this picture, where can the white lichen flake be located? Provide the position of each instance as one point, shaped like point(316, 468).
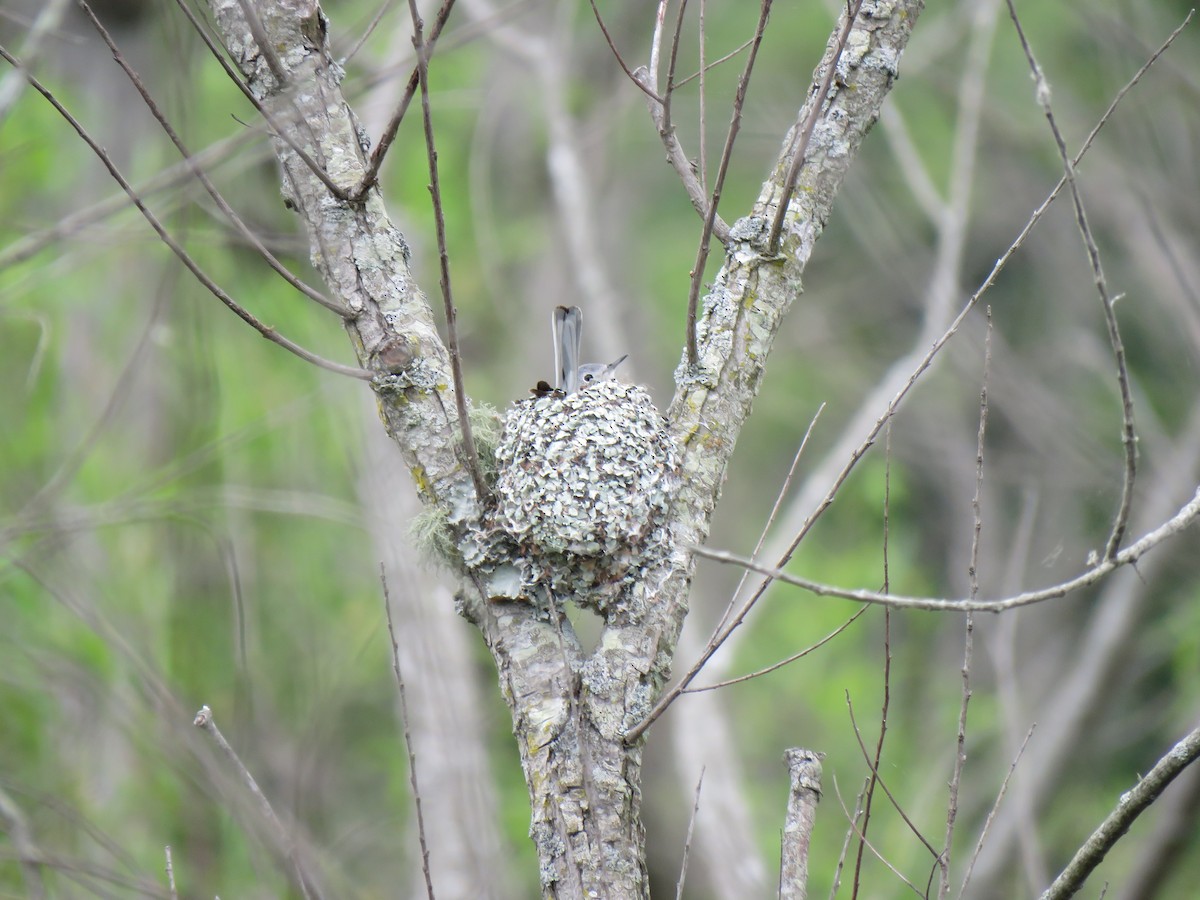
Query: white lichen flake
point(583, 482)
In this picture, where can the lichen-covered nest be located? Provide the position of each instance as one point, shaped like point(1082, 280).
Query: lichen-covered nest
point(584, 479)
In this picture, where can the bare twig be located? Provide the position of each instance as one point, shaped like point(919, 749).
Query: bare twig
point(362, 39)
point(371, 175)
point(204, 720)
point(879, 856)
point(850, 832)
point(687, 841)
point(992, 812)
point(783, 662)
point(739, 101)
point(878, 779)
point(805, 134)
point(200, 176)
point(1128, 435)
point(482, 491)
point(702, 47)
point(192, 266)
point(1132, 804)
point(408, 741)
point(872, 779)
point(1186, 515)
point(669, 91)
point(804, 769)
point(960, 752)
point(706, 68)
point(648, 91)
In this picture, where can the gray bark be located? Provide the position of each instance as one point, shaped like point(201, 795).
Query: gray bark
point(571, 710)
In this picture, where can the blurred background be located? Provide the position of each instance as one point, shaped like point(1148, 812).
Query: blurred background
point(189, 515)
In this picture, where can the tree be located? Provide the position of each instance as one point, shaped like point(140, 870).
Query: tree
point(581, 707)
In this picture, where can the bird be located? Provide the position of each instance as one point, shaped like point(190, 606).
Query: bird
point(569, 375)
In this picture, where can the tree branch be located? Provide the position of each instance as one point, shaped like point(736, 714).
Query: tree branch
point(1132, 804)
point(1131, 554)
point(357, 250)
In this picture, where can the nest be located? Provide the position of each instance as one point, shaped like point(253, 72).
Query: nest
point(583, 483)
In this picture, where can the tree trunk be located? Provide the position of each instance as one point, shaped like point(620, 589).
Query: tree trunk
point(575, 712)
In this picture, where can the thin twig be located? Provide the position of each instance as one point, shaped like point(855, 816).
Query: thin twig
point(371, 176)
point(701, 72)
point(702, 47)
point(879, 856)
point(1132, 804)
point(960, 754)
point(1128, 434)
point(887, 662)
point(482, 491)
point(987, 823)
point(408, 741)
point(649, 92)
point(805, 134)
point(266, 331)
point(1186, 515)
point(783, 662)
point(362, 39)
point(669, 91)
point(862, 748)
point(739, 101)
point(200, 176)
point(850, 832)
point(687, 841)
point(204, 720)
point(334, 188)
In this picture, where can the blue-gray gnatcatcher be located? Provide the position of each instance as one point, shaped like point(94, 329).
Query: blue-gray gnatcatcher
point(569, 373)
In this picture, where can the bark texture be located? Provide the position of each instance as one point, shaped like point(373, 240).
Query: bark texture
point(572, 709)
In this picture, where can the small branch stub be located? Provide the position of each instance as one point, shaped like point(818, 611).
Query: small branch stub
point(804, 766)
